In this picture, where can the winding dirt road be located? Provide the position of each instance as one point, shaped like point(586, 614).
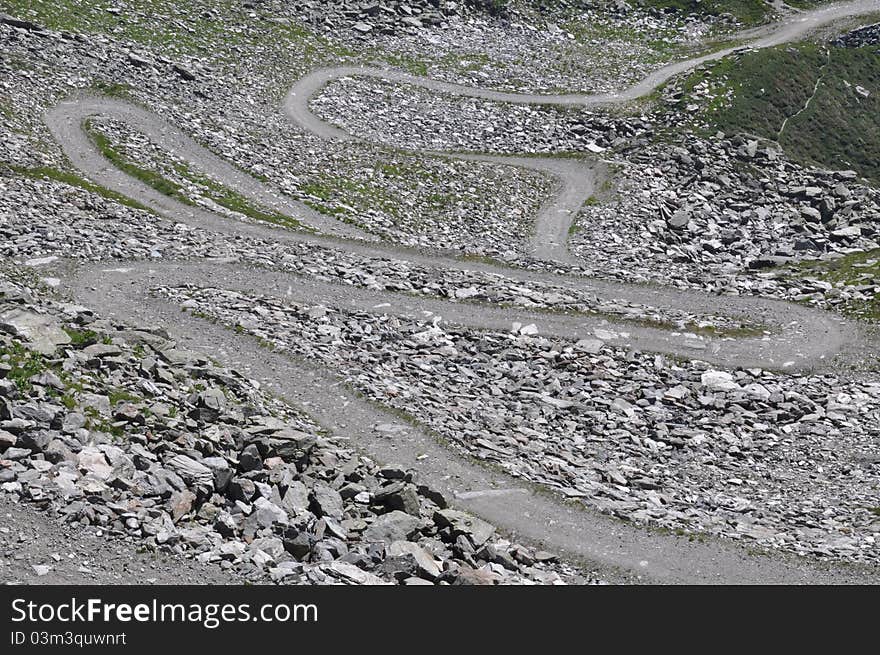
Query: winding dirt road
point(575, 178)
point(800, 338)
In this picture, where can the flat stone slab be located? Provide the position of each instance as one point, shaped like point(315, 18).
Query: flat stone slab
point(43, 333)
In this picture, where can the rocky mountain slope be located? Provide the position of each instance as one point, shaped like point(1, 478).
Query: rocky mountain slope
point(632, 374)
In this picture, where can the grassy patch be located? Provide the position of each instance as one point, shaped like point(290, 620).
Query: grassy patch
point(234, 201)
point(81, 338)
point(589, 33)
point(222, 195)
point(6, 108)
point(150, 178)
point(841, 127)
point(25, 364)
point(408, 64)
point(72, 179)
point(97, 423)
point(336, 192)
point(748, 12)
point(575, 226)
point(860, 269)
point(120, 395)
point(112, 89)
point(757, 92)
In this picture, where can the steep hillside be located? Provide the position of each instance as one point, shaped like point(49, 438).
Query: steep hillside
point(819, 101)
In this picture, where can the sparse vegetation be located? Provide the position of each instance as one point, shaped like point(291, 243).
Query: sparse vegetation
point(113, 89)
point(81, 338)
point(234, 201)
point(340, 195)
point(25, 364)
point(72, 179)
point(222, 195)
point(121, 395)
point(757, 92)
point(748, 12)
point(145, 175)
point(855, 269)
point(199, 28)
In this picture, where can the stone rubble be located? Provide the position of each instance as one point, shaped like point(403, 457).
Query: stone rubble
point(418, 119)
point(589, 46)
point(120, 429)
point(787, 461)
point(858, 38)
point(114, 427)
point(67, 228)
point(717, 214)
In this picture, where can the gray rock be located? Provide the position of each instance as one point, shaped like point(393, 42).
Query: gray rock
point(325, 501)
point(290, 444)
point(210, 404)
point(679, 220)
point(100, 350)
point(7, 439)
point(249, 459)
point(184, 72)
point(477, 530)
point(20, 23)
point(43, 333)
point(14, 453)
point(93, 462)
point(223, 473)
point(419, 560)
point(296, 498)
point(193, 473)
point(57, 451)
point(402, 497)
point(391, 527)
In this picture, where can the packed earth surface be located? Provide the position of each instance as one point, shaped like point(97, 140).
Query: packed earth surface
point(437, 292)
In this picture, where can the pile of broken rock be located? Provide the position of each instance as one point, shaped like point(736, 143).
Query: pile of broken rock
point(383, 17)
point(119, 430)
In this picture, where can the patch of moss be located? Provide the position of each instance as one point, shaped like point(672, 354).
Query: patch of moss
point(827, 98)
point(72, 179)
point(81, 338)
point(854, 270)
point(25, 364)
